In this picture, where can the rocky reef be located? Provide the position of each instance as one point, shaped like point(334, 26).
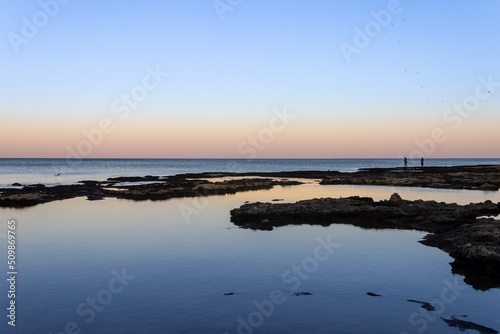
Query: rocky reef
point(112, 188)
point(481, 177)
point(476, 249)
point(461, 177)
point(198, 184)
point(473, 243)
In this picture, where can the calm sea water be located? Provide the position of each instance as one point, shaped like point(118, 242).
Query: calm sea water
point(119, 266)
point(176, 268)
point(62, 171)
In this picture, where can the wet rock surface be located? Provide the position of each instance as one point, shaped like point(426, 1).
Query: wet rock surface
point(482, 177)
point(476, 250)
point(473, 243)
point(181, 185)
point(397, 213)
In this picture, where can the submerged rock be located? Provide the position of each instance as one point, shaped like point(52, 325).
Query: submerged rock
point(425, 305)
point(373, 294)
point(463, 325)
point(302, 294)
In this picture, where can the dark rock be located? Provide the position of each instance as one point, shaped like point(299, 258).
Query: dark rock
point(134, 178)
point(277, 200)
point(161, 190)
point(288, 174)
point(476, 250)
point(17, 184)
point(396, 199)
point(373, 294)
point(265, 225)
point(229, 294)
point(362, 211)
point(302, 294)
point(466, 325)
point(461, 177)
point(194, 188)
point(425, 305)
point(488, 186)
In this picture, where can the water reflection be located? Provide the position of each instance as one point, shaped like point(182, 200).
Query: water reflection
point(183, 268)
point(309, 191)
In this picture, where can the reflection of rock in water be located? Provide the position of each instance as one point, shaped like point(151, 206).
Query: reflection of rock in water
point(480, 278)
point(474, 243)
point(476, 249)
point(155, 189)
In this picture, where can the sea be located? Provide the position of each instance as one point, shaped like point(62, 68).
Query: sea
point(68, 171)
point(181, 266)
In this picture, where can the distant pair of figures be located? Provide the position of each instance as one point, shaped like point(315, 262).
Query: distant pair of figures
point(421, 162)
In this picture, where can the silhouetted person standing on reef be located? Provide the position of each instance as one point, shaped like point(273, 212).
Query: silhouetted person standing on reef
point(422, 162)
point(406, 162)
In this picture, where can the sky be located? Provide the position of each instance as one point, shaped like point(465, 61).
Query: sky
point(249, 79)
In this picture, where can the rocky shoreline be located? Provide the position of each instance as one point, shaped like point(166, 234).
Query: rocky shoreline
point(483, 177)
point(461, 177)
point(156, 189)
point(473, 243)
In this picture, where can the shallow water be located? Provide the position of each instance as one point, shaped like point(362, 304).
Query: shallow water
point(68, 171)
point(185, 254)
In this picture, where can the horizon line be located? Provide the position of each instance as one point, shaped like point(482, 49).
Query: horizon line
point(351, 158)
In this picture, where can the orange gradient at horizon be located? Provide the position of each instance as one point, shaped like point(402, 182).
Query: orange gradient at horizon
point(250, 138)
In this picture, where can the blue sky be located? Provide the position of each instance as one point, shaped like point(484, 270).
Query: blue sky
point(263, 55)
